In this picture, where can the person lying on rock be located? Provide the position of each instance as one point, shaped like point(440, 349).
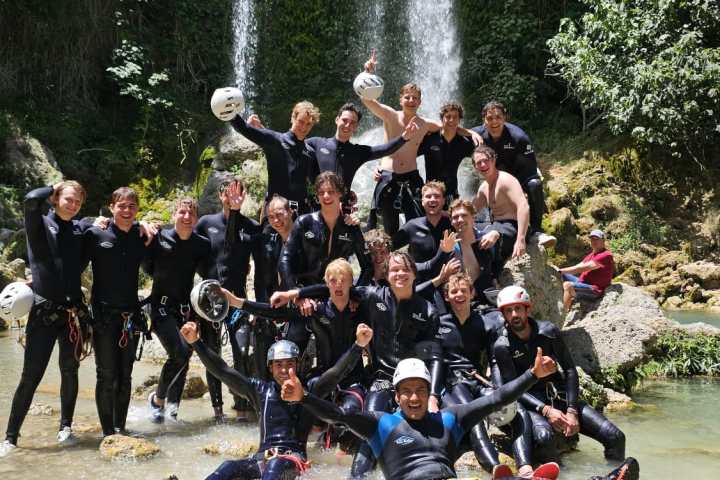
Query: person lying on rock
point(552, 403)
point(412, 443)
point(596, 271)
point(284, 427)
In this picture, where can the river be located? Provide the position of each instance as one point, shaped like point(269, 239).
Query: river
point(674, 434)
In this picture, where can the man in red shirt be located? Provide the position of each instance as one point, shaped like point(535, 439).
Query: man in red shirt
point(596, 272)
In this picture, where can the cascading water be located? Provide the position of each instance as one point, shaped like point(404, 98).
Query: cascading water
point(436, 63)
point(243, 22)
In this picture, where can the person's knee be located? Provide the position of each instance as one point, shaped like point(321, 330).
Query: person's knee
point(543, 436)
point(613, 439)
point(534, 185)
point(568, 287)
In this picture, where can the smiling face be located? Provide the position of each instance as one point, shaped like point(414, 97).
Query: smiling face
point(459, 293)
point(400, 274)
point(68, 203)
point(302, 123)
point(494, 121)
point(412, 396)
point(124, 211)
point(328, 195)
point(410, 98)
point(432, 201)
point(279, 216)
point(280, 369)
point(462, 220)
point(347, 124)
point(185, 218)
point(484, 164)
point(451, 120)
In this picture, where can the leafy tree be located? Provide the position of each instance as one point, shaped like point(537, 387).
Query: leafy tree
point(649, 68)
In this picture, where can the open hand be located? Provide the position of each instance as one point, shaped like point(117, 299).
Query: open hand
point(447, 244)
point(372, 62)
point(292, 389)
point(412, 129)
point(519, 248)
point(489, 239)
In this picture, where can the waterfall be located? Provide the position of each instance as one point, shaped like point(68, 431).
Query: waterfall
point(436, 63)
point(243, 22)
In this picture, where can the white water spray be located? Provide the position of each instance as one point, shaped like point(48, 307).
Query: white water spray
point(243, 37)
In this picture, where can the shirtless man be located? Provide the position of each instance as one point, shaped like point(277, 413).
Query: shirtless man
point(509, 210)
point(398, 172)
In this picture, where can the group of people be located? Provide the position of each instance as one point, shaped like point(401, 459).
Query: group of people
point(400, 363)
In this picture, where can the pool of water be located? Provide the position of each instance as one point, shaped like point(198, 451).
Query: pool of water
point(692, 316)
point(673, 436)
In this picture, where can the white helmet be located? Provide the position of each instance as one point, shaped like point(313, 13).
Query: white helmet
point(410, 368)
point(226, 103)
point(368, 86)
point(512, 295)
point(504, 415)
point(16, 300)
point(209, 301)
point(282, 350)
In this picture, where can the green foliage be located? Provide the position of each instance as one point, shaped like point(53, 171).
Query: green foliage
point(621, 381)
point(679, 354)
point(10, 212)
point(650, 69)
point(505, 55)
point(643, 227)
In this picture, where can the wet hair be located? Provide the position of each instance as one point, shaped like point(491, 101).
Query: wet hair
point(434, 185)
point(377, 238)
point(339, 266)
point(333, 179)
point(225, 183)
point(401, 257)
point(279, 199)
point(460, 203)
point(410, 87)
point(450, 106)
point(186, 202)
point(494, 105)
point(455, 278)
point(305, 107)
point(124, 193)
point(486, 151)
point(68, 184)
point(350, 107)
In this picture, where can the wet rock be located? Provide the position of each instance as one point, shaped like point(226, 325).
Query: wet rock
point(467, 461)
point(40, 409)
point(591, 392)
point(148, 385)
point(673, 303)
point(699, 328)
point(669, 260)
point(87, 427)
point(705, 273)
point(230, 449)
point(617, 331)
point(618, 402)
point(120, 447)
point(234, 149)
point(195, 386)
point(532, 272)
point(210, 202)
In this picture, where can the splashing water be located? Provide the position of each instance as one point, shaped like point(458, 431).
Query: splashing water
point(243, 16)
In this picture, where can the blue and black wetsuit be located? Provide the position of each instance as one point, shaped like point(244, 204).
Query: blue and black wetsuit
point(442, 160)
point(55, 253)
point(466, 348)
point(234, 240)
point(284, 427)
point(312, 246)
point(291, 165)
point(560, 390)
point(345, 158)
point(116, 256)
point(172, 262)
point(516, 156)
point(418, 449)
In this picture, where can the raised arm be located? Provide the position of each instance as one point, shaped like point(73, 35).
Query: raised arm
point(33, 209)
point(260, 136)
point(363, 256)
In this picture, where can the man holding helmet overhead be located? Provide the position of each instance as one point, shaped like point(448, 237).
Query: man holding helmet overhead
point(552, 403)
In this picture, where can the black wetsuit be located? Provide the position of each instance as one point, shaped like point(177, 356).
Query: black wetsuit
point(345, 158)
point(116, 257)
point(272, 244)
point(395, 193)
point(283, 426)
point(512, 355)
point(466, 347)
point(291, 165)
point(516, 156)
point(55, 249)
point(172, 262)
point(312, 246)
point(418, 449)
point(401, 329)
point(488, 263)
point(424, 243)
point(442, 159)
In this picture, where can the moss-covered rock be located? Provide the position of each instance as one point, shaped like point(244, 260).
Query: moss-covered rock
point(602, 208)
point(121, 447)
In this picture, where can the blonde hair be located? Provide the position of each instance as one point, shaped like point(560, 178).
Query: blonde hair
point(339, 266)
point(434, 185)
point(455, 278)
point(305, 107)
point(68, 184)
point(410, 87)
point(460, 203)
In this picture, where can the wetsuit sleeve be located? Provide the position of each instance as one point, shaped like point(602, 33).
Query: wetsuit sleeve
point(362, 424)
point(314, 291)
point(332, 376)
point(572, 383)
point(470, 414)
point(148, 262)
point(266, 311)
point(426, 290)
point(432, 267)
point(237, 382)
point(401, 237)
point(379, 151)
point(34, 227)
point(291, 251)
point(504, 372)
point(363, 257)
point(260, 136)
point(260, 267)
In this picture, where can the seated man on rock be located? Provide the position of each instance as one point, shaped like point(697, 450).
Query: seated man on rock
point(596, 271)
point(552, 403)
